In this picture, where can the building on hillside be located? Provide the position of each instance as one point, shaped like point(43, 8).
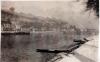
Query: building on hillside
point(7, 17)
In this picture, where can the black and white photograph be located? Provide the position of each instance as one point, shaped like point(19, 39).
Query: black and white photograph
point(49, 30)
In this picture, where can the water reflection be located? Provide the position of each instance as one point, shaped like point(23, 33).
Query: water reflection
point(22, 48)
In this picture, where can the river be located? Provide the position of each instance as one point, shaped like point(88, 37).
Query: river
point(22, 48)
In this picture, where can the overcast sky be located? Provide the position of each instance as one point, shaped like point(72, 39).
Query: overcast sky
point(69, 10)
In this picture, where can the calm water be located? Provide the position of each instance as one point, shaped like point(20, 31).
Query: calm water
point(22, 48)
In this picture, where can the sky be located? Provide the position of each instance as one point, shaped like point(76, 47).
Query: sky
point(71, 11)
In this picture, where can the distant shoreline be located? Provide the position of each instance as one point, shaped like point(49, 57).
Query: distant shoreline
point(14, 33)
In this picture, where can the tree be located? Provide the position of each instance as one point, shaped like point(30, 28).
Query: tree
point(94, 5)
